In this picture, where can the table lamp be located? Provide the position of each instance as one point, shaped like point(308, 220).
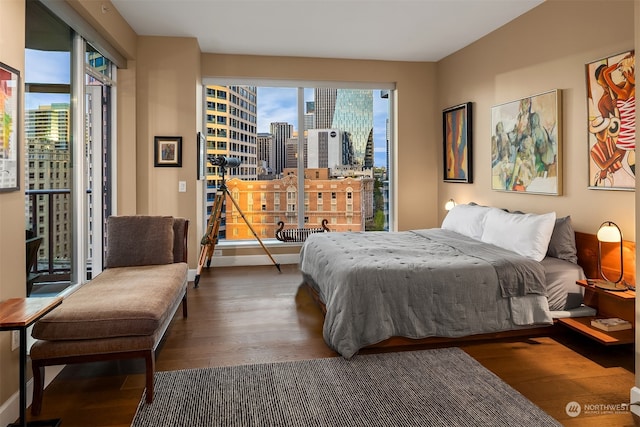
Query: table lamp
point(449, 205)
point(609, 232)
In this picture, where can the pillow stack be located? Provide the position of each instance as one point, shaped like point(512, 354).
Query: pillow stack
point(531, 235)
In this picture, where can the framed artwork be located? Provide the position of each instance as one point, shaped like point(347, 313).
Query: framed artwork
point(456, 133)
point(202, 156)
point(167, 151)
point(526, 145)
point(9, 114)
point(611, 123)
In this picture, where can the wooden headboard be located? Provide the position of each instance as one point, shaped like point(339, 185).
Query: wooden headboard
point(587, 246)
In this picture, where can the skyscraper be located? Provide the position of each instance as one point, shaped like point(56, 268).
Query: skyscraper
point(325, 148)
point(350, 111)
point(354, 116)
point(265, 154)
point(325, 106)
point(281, 132)
point(231, 131)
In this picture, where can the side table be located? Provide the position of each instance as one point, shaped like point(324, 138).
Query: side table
point(607, 304)
point(17, 314)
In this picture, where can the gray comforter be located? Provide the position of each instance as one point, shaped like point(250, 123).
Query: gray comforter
point(417, 284)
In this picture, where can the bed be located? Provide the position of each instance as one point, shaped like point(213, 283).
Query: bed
point(484, 271)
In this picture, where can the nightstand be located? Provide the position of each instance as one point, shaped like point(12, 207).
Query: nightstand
point(607, 304)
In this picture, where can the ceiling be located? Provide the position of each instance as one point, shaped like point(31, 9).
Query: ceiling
point(396, 30)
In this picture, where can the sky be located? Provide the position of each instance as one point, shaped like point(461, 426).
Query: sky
point(275, 104)
point(278, 104)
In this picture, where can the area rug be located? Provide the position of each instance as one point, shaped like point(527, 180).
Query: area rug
point(442, 387)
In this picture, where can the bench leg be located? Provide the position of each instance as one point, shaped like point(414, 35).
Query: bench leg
point(150, 364)
point(38, 388)
point(184, 305)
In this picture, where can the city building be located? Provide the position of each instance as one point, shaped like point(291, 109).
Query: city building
point(49, 179)
point(346, 203)
point(281, 132)
point(324, 107)
point(265, 155)
point(231, 130)
point(325, 149)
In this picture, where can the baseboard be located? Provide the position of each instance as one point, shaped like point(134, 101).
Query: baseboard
point(248, 260)
point(10, 410)
point(635, 400)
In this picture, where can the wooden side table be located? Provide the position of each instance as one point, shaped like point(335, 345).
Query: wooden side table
point(607, 304)
point(17, 314)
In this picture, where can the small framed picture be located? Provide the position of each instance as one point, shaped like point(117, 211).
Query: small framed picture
point(167, 151)
point(456, 130)
point(202, 151)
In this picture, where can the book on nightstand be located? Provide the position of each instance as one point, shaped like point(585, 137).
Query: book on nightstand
point(611, 324)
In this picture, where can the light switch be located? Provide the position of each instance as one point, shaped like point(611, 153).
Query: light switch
point(182, 186)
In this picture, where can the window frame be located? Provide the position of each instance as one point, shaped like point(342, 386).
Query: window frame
point(388, 87)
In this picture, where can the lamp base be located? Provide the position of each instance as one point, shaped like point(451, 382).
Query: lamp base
point(610, 286)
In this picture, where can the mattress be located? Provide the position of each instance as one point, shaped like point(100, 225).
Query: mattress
point(563, 293)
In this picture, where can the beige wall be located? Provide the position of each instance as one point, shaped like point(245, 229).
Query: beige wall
point(168, 95)
point(543, 50)
point(418, 118)
point(12, 262)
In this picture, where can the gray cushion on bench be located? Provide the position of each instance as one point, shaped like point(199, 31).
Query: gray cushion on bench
point(139, 240)
point(139, 300)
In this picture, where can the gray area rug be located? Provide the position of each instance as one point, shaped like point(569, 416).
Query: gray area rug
point(443, 387)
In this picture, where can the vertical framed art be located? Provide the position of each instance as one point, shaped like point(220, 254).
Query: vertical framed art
point(526, 145)
point(167, 151)
point(457, 144)
point(9, 112)
point(611, 123)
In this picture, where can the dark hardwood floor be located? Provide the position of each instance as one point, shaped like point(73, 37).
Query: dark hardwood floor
point(245, 315)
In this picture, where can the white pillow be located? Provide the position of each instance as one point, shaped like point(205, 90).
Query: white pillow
point(467, 220)
point(525, 234)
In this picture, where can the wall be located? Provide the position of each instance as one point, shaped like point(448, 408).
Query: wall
point(168, 92)
point(12, 262)
point(544, 49)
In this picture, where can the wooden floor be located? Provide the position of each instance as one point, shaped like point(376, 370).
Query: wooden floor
point(255, 314)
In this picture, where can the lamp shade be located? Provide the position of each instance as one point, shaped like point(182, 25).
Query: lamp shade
point(449, 205)
point(609, 232)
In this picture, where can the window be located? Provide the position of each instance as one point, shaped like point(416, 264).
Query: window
point(344, 145)
point(67, 149)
